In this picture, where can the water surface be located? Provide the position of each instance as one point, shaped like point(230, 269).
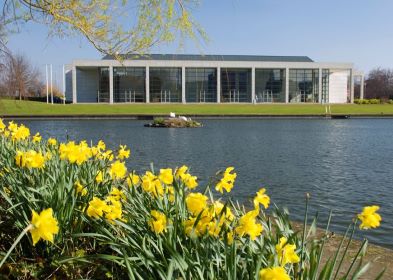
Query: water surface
point(343, 164)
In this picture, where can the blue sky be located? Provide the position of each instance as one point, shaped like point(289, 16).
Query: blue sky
point(358, 31)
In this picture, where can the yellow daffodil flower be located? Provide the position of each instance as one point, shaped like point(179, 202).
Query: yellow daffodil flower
point(123, 152)
point(44, 226)
point(118, 170)
point(158, 222)
point(52, 141)
point(261, 198)
point(247, 225)
point(286, 252)
point(273, 273)
point(166, 176)
point(37, 138)
point(369, 217)
point(97, 208)
point(80, 189)
point(196, 203)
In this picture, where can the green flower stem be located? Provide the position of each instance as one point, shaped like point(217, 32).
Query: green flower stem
point(25, 231)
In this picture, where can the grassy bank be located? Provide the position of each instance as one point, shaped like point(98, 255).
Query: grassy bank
point(15, 107)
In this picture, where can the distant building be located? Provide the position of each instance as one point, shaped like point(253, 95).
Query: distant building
point(160, 78)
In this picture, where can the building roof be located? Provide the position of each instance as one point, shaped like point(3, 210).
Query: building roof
point(209, 57)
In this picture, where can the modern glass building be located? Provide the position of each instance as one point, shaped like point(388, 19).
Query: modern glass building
point(159, 78)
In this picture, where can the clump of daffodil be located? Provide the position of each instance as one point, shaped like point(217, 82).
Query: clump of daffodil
point(99, 177)
point(97, 207)
point(118, 170)
point(123, 152)
point(157, 222)
point(369, 217)
point(75, 153)
point(247, 225)
point(273, 273)
point(152, 185)
point(18, 133)
point(30, 159)
point(286, 252)
point(43, 226)
point(227, 181)
point(117, 194)
point(189, 181)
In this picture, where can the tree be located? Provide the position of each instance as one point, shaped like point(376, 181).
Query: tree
point(112, 26)
point(19, 78)
point(379, 84)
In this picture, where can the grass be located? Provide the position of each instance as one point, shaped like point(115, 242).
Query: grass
point(31, 108)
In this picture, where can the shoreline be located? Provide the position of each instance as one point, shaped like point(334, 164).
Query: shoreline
point(193, 116)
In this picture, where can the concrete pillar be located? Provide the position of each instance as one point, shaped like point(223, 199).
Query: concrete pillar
point(147, 84)
point(253, 85)
point(320, 85)
point(362, 86)
point(111, 84)
point(352, 86)
point(218, 84)
point(74, 97)
point(287, 85)
point(183, 85)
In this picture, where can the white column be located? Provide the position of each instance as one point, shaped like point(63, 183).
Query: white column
point(183, 85)
point(64, 84)
point(320, 85)
point(352, 86)
point(218, 84)
point(287, 85)
point(253, 85)
point(362, 87)
point(74, 98)
point(111, 84)
point(47, 83)
point(147, 84)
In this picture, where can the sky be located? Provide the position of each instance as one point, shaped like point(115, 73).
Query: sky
point(357, 31)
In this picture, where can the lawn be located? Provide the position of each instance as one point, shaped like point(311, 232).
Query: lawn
point(27, 108)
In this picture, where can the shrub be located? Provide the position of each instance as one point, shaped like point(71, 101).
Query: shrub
point(390, 101)
point(375, 101)
point(72, 211)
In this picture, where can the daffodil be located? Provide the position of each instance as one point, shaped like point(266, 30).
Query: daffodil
point(99, 177)
point(273, 273)
point(158, 222)
point(30, 159)
point(80, 189)
point(117, 194)
point(180, 171)
point(97, 208)
point(52, 141)
point(118, 170)
point(44, 226)
point(190, 181)
point(166, 176)
point(2, 125)
point(196, 203)
point(114, 210)
point(123, 152)
point(227, 181)
point(247, 225)
point(37, 138)
point(133, 180)
point(286, 252)
point(152, 185)
point(261, 198)
point(369, 217)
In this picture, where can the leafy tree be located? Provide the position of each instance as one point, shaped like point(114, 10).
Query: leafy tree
point(112, 26)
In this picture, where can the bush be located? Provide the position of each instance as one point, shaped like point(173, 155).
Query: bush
point(390, 101)
point(72, 211)
point(375, 101)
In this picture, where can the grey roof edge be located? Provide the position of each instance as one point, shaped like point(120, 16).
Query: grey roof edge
point(210, 57)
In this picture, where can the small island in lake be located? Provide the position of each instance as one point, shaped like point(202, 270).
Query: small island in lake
point(173, 121)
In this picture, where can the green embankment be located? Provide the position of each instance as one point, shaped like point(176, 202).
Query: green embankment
point(30, 108)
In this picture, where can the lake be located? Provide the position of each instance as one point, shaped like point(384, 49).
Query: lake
point(343, 164)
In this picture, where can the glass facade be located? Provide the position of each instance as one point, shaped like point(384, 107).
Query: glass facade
point(235, 85)
point(325, 86)
point(201, 85)
point(103, 84)
point(165, 84)
point(129, 84)
point(269, 85)
point(303, 85)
